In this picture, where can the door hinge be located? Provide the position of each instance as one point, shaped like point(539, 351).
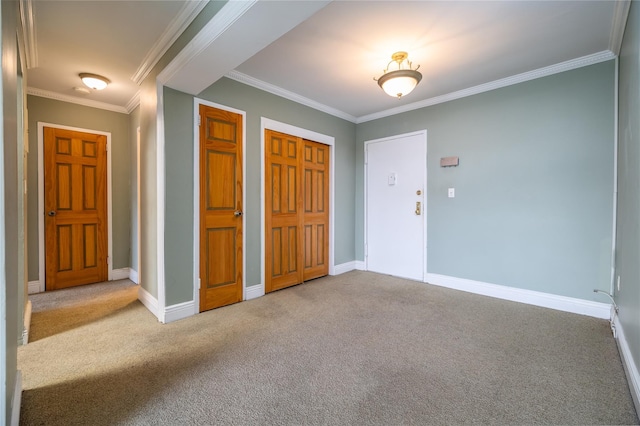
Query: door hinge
point(107, 260)
point(199, 119)
point(199, 282)
point(366, 250)
point(366, 156)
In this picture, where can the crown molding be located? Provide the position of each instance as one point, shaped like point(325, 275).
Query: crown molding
point(187, 14)
point(133, 102)
point(620, 14)
point(221, 21)
point(28, 28)
point(584, 61)
point(267, 87)
point(72, 99)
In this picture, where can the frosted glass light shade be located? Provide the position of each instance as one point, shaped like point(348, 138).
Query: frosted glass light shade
point(399, 83)
point(402, 81)
point(94, 81)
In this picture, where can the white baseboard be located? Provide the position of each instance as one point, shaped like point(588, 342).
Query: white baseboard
point(34, 287)
point(530, 297)
point(254, 292)
point(149, 301)
point(179, 311)
point(360, 265)
point(633, 376)
point(344, 267)
point(116, 274)
point(133, 275)
point(17, 400)
point(120, 274)
point(27, 323)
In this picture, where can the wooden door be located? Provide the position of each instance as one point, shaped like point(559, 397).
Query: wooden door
point(315, 214)
point(283, 202)
point(75, 176)
point(296, 210)
point(220, 208)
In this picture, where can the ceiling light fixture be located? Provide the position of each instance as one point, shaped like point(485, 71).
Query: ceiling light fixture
point(400, 82)
point(94, 81)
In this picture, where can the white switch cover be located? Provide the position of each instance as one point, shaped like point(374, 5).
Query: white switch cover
point(452, 192)
point(392, 179)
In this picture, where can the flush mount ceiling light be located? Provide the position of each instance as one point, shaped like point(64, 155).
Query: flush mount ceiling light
point(401, 81)
point(94, 81)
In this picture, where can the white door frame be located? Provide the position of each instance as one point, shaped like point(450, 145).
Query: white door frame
point(266, 123)
point(425, 207)
point(41, 213)
point(196, 197)
point(136, 277)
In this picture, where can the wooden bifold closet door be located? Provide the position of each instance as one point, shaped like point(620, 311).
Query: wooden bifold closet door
point(296, 210)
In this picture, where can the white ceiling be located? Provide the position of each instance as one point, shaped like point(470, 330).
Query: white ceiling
point(115, 39)
point(329, 57)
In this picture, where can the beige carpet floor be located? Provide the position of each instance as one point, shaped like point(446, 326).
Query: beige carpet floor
point(356, 349)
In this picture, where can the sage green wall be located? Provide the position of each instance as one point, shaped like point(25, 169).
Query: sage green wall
point(628, 221)
point(148, 188)
point(179, 149)
point(178, 234)
point(149, 156)
point(63, 113)
point(534, 188)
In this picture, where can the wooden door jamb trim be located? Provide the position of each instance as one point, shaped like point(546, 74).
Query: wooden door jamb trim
point(41, 254)
point(267, 123)
point(196, 197)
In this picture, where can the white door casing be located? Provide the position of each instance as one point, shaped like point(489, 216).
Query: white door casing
point(395, 181)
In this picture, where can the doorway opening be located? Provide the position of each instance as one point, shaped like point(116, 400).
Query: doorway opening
point(296, 177)
point(395, 205)
point(84, 233)
point(320, 139)
point(219, 199)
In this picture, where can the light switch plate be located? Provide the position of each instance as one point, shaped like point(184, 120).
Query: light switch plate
point(393, 178)
point(452, 193)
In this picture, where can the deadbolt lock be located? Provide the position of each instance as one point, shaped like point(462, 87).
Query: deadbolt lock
point(418, 192)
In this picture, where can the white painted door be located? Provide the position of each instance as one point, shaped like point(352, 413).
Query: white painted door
point(396, 173)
